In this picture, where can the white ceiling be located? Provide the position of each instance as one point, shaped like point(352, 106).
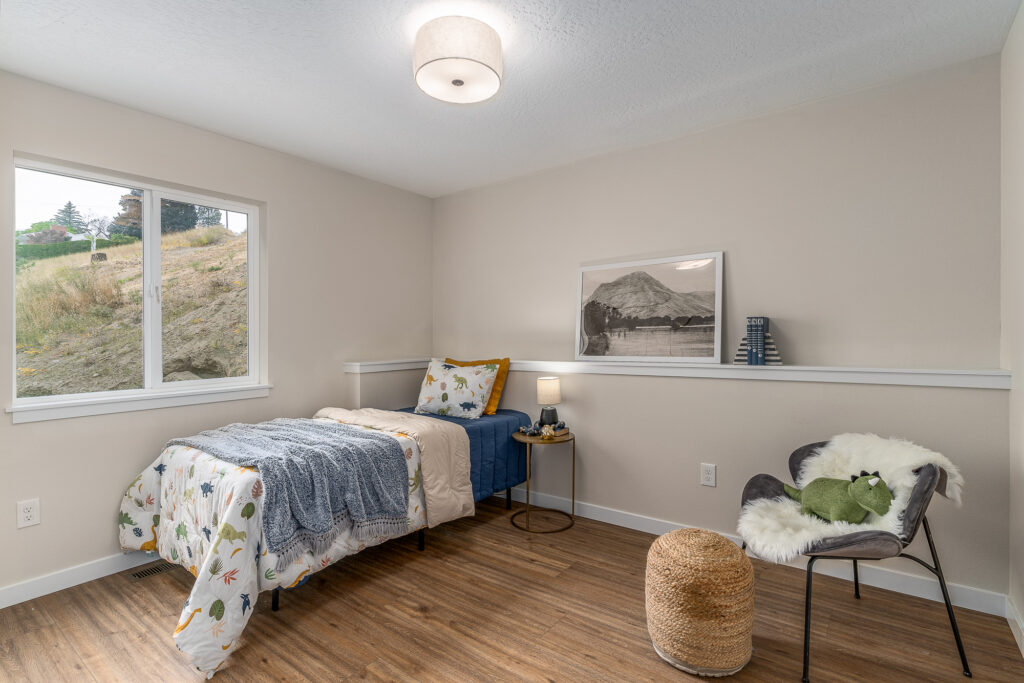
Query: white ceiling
point(331, 80)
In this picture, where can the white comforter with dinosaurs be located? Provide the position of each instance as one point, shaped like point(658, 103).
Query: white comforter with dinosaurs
point(206, 515)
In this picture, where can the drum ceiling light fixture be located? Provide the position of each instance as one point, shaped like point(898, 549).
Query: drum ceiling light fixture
point(458, 59)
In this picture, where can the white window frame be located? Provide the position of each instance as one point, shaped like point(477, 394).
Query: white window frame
point(155, 392)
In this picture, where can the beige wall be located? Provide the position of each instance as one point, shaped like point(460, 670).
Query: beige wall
point(327, 304)
point(1013, 289)
point(866, 226)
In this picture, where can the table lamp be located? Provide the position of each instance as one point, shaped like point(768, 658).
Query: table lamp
point(549, 394)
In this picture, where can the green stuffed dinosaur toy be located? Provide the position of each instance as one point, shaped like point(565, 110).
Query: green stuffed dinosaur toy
point(838, 500)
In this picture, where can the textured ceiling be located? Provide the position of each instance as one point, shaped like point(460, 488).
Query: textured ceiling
point(332, 81)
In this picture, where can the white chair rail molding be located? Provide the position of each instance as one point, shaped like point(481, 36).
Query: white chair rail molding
point(966, 379)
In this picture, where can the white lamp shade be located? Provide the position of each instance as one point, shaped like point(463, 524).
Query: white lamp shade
point(549, 391)
point(458, 59)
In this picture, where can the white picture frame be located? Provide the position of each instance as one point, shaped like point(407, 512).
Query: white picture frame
point(653, 311)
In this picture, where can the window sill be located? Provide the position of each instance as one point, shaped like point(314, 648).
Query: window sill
point(29, 411)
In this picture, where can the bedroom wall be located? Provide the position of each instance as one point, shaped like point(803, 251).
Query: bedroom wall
point(1013, 294)
point(866, 226)
point(327, 304)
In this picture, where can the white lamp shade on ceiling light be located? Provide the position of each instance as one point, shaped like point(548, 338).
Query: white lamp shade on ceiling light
point(458, 59)
point(549, 391)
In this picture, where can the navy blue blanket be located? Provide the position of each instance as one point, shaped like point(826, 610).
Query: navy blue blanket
point(497, 461)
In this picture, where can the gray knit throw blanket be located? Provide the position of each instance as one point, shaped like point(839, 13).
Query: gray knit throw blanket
point(321, 478)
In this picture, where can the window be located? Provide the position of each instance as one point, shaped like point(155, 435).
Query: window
point(128, 292)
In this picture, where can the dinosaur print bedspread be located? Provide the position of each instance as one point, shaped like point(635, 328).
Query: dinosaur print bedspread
point(206, 515)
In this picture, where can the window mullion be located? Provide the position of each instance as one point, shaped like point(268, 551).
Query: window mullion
point(151, 313)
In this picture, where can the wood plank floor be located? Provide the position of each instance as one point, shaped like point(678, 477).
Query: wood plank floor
point(486, 601)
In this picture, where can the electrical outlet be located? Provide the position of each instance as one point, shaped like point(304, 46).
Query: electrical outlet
point(708, 474)
point(28, 512)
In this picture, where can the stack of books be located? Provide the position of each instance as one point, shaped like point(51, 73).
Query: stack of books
point(758, 347)
point(757, 326)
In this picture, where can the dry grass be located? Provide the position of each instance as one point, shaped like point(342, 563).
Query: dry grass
point(199, 237)
point(70, 298)
point(79, 324)
point(46, 268)
point(68, 293)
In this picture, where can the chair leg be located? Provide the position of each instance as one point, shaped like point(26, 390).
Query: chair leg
point(945, 598)
point(421, 539)
point(508, 498)
point(856, 581)
point(275, 600)
point(807, 620)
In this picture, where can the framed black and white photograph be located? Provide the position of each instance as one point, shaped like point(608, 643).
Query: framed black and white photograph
point(658, 310)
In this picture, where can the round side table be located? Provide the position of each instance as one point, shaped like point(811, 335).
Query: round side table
point(530, 442)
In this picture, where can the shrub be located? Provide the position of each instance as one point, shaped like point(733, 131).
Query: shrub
point(32, 252)
point(200, 237)
point(213, 234)
point(118, 231)
point(71, 297)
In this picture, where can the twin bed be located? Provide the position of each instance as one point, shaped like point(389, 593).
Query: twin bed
point(206, 514)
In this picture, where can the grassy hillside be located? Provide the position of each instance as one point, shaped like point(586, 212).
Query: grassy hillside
point(79, 324)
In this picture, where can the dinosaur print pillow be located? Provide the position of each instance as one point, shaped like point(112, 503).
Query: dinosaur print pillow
point(457, 392)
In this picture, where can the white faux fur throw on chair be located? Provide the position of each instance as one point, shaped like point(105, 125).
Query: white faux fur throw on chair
point(775, 529)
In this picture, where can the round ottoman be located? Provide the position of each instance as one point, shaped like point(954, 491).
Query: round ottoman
point(700, 602)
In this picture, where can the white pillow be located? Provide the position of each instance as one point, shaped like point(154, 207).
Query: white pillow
point(456, 392)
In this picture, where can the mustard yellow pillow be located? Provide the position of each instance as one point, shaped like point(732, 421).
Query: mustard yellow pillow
point(499, 379)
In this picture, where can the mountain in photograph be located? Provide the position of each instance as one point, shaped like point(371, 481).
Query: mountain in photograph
point(642, 296)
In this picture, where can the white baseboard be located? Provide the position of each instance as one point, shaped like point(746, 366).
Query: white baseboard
point(72, 576)
point(870, 574)
point(1013, 616)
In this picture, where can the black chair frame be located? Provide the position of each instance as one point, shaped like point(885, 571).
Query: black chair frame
point(936, 570)
point(866, 545)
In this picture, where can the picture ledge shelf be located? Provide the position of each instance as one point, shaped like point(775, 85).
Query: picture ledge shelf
point(961, 379)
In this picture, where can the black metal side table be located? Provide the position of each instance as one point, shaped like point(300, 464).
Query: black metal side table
point(530, 441)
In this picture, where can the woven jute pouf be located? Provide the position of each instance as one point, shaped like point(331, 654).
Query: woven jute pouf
point(700, 602)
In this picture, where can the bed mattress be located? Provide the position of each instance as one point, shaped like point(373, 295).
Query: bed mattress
point(498, 462)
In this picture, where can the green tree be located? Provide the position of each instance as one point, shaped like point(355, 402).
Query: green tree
point(129, 221)
point(177, 216)
point(207, 215)
point(70, 217)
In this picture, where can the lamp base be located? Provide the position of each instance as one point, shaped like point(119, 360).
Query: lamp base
point(548, 416)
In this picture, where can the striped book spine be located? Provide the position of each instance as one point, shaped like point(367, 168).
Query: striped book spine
point(751, 358)
point(755, 337)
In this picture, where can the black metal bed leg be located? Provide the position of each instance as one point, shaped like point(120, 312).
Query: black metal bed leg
point(275, 600)
point(807, 620)
point(508, 498)
point(945, 597)
point(421, 539)
point(856, 581)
